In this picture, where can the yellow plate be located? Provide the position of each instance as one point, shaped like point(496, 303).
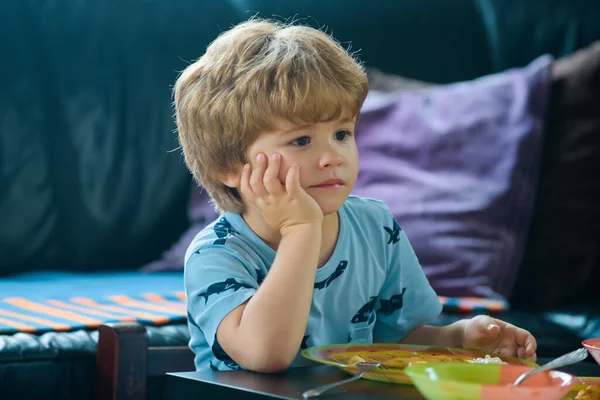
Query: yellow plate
point(339, 354)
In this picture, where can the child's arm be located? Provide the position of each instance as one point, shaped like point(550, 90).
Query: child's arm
point(265, 333)
point(446, 336)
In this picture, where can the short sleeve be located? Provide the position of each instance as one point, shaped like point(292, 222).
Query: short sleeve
point(216, 282)
point(406, 300)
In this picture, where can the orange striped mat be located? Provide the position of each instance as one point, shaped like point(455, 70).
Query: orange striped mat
point(57, 301)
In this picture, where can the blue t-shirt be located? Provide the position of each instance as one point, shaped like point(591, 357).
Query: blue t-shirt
point(372, 287)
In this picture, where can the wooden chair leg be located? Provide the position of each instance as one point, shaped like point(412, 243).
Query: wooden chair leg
point(121, 362)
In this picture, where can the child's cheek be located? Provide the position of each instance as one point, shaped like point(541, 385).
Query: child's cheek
point(283, 171)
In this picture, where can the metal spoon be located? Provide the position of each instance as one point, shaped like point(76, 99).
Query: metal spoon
point(363, 368)
point(567, 359)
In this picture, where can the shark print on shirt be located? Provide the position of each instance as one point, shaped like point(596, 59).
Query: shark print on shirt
point(393, 304)
point(222, 229)
point(260, 276)
point(220, 354)
point(394, 233)
point(365, 311)
point(304, 344)
point(339, 270)
point(220, 287)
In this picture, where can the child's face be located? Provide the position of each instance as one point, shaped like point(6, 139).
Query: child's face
point(325, 151)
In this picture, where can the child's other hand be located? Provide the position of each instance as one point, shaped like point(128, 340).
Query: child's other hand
point(282, 207)
point(495, 336)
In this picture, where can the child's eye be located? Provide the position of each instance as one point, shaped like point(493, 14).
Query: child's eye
point(301, 141)
point(341, 135)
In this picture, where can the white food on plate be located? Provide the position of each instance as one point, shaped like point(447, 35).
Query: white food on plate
point(487, 360)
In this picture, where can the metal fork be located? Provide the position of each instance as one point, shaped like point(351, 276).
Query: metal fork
point(363, 368)
point(567, 359)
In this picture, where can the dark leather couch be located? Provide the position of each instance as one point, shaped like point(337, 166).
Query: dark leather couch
point(88, 180)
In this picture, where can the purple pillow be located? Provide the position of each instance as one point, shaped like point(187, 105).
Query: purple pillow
point(458, 164)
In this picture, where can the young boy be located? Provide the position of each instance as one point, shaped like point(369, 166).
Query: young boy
point(266, 119)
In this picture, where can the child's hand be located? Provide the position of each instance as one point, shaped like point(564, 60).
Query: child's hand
point(495, 336)
point(282, 207)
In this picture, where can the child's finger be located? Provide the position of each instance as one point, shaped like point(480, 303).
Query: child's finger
point(292, 180)
point(530, 352)
point(530, 346)
point(271, 177)
point(525, 339)
point(256, 178)
point(486, 325)
point(245, 187)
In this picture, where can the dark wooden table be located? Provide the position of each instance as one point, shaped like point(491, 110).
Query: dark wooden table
point(246, 385)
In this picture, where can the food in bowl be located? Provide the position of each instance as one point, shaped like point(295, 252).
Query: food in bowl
point(591, 392)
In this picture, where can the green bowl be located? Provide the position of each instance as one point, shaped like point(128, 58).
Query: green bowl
point(449, 381)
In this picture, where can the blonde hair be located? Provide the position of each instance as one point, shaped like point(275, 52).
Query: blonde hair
point(250, 74)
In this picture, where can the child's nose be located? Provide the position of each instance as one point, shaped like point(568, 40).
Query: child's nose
point(330, 158)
